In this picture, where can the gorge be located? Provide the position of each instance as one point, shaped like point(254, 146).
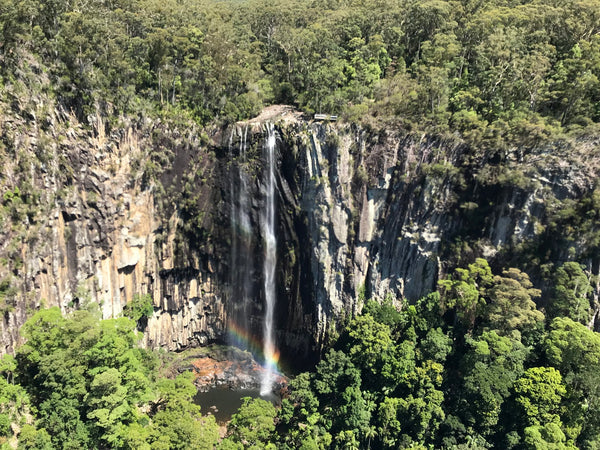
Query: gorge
point(177, 213)
point(395, 204)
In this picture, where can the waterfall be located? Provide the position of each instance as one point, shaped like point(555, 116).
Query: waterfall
point(241, 244)
point(270, 262)
point(243, 266)
point(244, 204)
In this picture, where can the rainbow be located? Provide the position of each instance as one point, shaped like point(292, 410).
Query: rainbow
point(241, 338)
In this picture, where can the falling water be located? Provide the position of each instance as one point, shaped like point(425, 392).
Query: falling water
point(241, 242)
point(244, 202)
point(243, 267)
point(268, 221)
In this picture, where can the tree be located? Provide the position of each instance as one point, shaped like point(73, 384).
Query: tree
point(573, 86)
point(491, 365)
point(14, 401)
point(370, 433)
point(141, 307)
point(301, 418)
point(369, 344)
point(385, 312)
point(333, 374)
point(253, 424)
point(421, 412)
point(575, 351)
point(32, 439)
point(417, 416)
point(89, 383)
point(436, 346)
point(464, 291)
point(390, 427)
point(570, 296)
point(511, 306)
point(53, 368)
point(539, 393)
point(109, 407)
point(548, 436)
point(178, 423)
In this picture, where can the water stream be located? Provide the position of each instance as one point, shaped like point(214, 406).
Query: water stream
point(242, 333)
point(241, 244)
point(270, 262)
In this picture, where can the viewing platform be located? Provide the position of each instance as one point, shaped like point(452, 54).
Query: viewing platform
point(325, 117)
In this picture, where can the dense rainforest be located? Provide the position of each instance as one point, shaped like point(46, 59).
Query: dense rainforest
point(494, 71)
point(487, 360)
point(474, 365)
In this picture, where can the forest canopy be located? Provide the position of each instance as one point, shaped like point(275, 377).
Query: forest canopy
point(487, 69)
point(447, 371)
point(483, 362)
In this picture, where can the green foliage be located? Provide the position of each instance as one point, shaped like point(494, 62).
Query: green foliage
point(480, 300)
point(575, 351)
point(5, 425)
point(576, 220)
point(178, 423)
point(571, 292)
point(300, 419)
point(539, 393)
point(526, 71)
point(464, 291)
point(424, 375)
point(511, 306)
point(491, 365)
point(547, 436)
point(251, 427)
point(30, 438)
point(385, 312)
point(141, 307)
point(369, 343)
point(411, 375)
point(7, 294)
point(89, 383)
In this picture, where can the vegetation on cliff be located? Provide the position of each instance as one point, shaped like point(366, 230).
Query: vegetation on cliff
point(484, 362)
point(474, 365)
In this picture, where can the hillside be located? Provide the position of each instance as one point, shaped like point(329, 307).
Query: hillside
point(434, 252)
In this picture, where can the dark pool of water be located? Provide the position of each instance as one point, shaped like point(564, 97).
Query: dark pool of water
point(223, 403)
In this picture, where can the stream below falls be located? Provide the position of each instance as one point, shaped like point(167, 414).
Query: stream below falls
point(223, 402)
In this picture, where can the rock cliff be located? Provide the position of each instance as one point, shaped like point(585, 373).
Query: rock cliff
point(97, 216)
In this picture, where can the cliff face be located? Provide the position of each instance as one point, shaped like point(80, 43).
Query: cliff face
point(154, 208)
point(382, 214)
point(87, 220)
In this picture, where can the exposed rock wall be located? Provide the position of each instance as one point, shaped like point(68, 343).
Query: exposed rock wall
point(147, 209)
point(98, 232)
point(382, 213)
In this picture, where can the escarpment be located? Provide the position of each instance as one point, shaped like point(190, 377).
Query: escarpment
point(92, 216)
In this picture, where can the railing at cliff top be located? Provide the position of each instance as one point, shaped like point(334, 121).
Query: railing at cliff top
point(325, 117)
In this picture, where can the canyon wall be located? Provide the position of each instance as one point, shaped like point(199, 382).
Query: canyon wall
point(91, 217)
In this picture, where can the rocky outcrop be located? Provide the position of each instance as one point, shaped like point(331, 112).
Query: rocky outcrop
point(233, 370)
point(99, 228)
point(147, 209)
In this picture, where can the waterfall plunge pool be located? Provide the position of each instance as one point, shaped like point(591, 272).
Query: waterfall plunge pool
point(223, 402)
